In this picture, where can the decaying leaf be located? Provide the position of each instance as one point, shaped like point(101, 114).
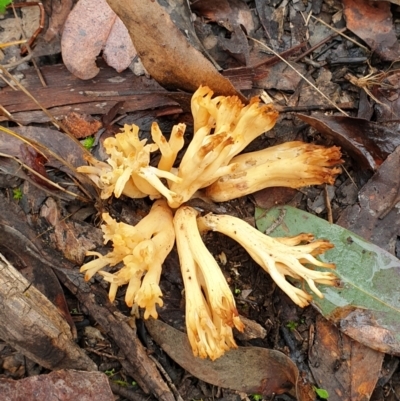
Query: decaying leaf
point(372, 22)
point(168, 52)
point(247, 369)
point(375, 216)
point(90, 28)
point(58, 11)
point(59, 150)
point(231, 15)
point(367, 142)
point(366, 306)
point(357, 368)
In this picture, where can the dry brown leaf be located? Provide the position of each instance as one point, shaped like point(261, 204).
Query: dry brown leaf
point(88, 30)
point(345, 368)
point(58, 11)
point(167, 52)
point(372, 22)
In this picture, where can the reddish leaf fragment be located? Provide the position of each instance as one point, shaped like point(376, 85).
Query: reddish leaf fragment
point(372, 22)
point(36, 162)
point(367, 326)
point(274, 196)
point(345, 368)
point(65, 385)
point(81, 125)
point(266, 371)
point(368, 143)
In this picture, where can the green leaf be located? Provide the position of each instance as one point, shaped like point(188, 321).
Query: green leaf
point(367, 304)
point(17, 193)
point(3, 5)
point(321, 393)
point(88, 142)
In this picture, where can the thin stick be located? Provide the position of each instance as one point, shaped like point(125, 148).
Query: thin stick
point(16, 64)
point(322, 42)
point(167, 378)
point(338, 31)
point(51, 183)
point(328, 204)
point(27, 47)
point(300, 74)
point(9, 115)
point(348, 175)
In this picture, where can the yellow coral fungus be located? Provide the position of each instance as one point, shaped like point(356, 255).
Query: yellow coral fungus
point(292, 164)
point(142, 249)
point(210, 307)
point(279, 257)
point(223, 127)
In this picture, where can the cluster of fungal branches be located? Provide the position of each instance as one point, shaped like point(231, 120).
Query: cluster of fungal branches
point(212, 166)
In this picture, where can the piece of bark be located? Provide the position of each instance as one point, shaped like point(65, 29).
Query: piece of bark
point(32, 324)
point(65, 385)
point(69, 93)
point(115, 324)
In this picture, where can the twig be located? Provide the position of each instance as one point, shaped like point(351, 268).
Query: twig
point(103, 354)
point(49, 182)
point(312, 107)
point(315, 47)
point(328, 204)
point(167, 378)
point(338, 31)
point(16, 64)
point(127, 393)
point(56, 123)
point(9, 115)
point(348, 175)
point(27, 47)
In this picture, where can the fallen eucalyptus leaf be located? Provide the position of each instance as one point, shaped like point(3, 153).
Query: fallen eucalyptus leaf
point(168, 47)
point(366, 307)
point(248, 369)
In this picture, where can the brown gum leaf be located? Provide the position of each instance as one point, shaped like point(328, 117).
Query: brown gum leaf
point(267, 371)
point(169, 54)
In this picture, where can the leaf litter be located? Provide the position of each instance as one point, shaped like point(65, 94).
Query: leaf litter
point(355, 320)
